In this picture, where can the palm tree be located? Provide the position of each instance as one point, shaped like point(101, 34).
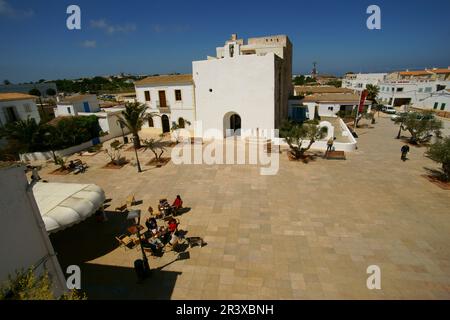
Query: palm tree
point(23, 131)
point(372, 92)
point(133, 118)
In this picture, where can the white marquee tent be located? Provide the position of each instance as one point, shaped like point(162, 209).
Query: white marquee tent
point(64, 204)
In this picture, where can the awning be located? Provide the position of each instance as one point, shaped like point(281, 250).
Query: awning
point(64, 204)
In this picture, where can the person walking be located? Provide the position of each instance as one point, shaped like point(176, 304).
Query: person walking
point(330, 143)
point(404, 150)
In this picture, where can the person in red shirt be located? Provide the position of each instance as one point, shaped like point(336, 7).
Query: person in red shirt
point(173, 225)
point(177, 204)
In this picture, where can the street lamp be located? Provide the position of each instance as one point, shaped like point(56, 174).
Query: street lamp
point(144, 272)
point(125, 138)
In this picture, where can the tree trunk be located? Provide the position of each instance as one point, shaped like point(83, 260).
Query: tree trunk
point(136, 141)
point(446, 169)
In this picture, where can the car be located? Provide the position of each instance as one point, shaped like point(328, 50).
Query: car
point(389, 110)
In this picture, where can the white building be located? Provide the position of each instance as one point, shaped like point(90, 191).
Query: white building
point(329, 104)
point(246, 86)
point(72, 105)
point(24, 239)
point(169, 96)
point(16, 107)
point(413, 87)
point(360, 81)
point(438, 101)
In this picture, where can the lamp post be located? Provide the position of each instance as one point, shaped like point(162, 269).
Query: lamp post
point(125, 139)
point(132, 216)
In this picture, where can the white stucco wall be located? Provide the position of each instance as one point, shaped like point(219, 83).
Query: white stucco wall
point(24, 240)
point(76, 107)
point(439, 98)
point(244, 85)
point(178, 109)
point(20, 110)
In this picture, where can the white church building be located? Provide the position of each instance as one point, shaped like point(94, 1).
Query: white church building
point(245, 86)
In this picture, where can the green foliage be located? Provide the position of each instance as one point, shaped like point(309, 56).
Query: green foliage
point(421, 125)
point(96, 85)
point(26, 285)
point(35, 92)
point(440, 152)
point(114, 152)
point(6, 82)
point(67, 132)
point(302, 80)
point(336, 83)
point(155, 146)
point(295, 134)
point(50, 92)
point(133, 118)
point(372, 92)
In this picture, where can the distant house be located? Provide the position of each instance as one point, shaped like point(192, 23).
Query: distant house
point(329, 104)
point(17, 106)
point(73, 105)
point(308, 90)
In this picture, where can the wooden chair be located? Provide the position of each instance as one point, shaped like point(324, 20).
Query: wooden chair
point(125, 241)
point(129, 201)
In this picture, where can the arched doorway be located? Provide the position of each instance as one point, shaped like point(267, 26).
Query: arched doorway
point(181, 122)
point(150, 122)
point(232, 124)
point(165, 123)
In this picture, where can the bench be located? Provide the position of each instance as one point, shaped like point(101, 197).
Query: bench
point(78, 166)
point(335, 155)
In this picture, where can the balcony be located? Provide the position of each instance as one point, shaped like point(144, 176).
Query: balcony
point(163, 109)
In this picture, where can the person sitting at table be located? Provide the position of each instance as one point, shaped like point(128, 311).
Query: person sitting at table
point(172, 225)
point(177, 203)
point(152, 225)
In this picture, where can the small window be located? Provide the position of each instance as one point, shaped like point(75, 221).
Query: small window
point(420, 89)
point(442, 106)
point(69, 110)
point(147, 95)
point(399, 89)
point(428, 89)
point(435, 105)
point(392, 89)
point(330, 108)
point(178, 95)
point(27, 107)
point(210, 90)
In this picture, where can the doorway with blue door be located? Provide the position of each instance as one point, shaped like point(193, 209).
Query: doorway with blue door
point(86, 106)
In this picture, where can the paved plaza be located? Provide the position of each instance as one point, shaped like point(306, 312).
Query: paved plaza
point(309, 232)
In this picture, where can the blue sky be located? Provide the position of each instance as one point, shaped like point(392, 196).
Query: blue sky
point(146, 37)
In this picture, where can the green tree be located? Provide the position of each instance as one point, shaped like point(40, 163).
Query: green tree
point(133, 118)
point(156, 146)
point(6, 82)
point(440, 152)
point(177, 126)
point(23, 132)
point(372, 92)
point(421, 125)
point(336, 83)
point(50, 92)
point(26, 285)
point(295, 134)
point(37, 93)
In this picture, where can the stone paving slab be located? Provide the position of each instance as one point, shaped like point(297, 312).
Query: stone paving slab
point(309, 232)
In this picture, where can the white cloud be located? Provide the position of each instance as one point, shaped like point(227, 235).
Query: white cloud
point(89, 44)
point(102, 24)
point(7, 10)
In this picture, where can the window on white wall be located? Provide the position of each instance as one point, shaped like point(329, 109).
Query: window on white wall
point(27, 107)
point(428, 89)
point(69, 111)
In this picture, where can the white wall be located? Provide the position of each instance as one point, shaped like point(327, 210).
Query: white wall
point(23, 237)
point(244, 84)
point(361, 80)
point(184, 108)
point(76, 107)
point(439, 98)
point(414, 90)
point(20, 110)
